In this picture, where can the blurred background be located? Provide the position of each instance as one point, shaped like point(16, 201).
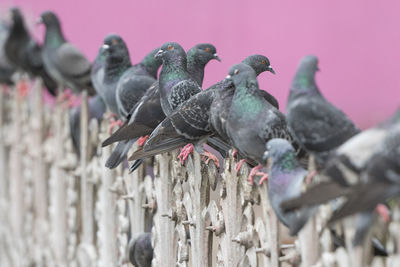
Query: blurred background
point(356, 41)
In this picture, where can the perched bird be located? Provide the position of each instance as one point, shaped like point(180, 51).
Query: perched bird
point(135, 82)
point(97, 71)
point(315, 124)
point(252, 121)
point(96, 108)
point(140, 250)
point(286, 179)
point(25, 53)
point(115, 56)
point(148, 113)
point(62, 60)
point(7, 69)
point(346, 166)
point(191, 121)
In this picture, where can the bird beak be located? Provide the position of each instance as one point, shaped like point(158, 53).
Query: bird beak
point(228, 77)
point(270, 69)
point(159, 54)
point(265, 156)
point(215, 56)
point(105, 46)
point(39, 21)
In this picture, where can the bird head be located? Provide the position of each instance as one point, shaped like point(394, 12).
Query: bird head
point(16, 14)
point(48, 18)
point(204, 52)
point(241, 72)
point(309, 63)
point(278, 148)
point(170, 51)
point(115, 47)
point(259, 63)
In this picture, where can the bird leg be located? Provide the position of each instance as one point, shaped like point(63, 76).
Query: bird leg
point(234, 153)
point(113, 123)
point(185, 152)
point(142, 140)
point(255, 172)
point(210, 156)
point(239, 165)
point(384, 212)
point(22, 89)
point(310, 176)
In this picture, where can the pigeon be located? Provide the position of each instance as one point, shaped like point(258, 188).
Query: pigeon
point(25, 53)
point(116, 62)
point(191, 121)
point(140, 250)
point(148, 113)
point(252, 121)
point(346, 165)
point(7, 69)
point(135, 82)
point(315, 124)
point(62, 60)
point(286, 179)
point(97, 71)
point(96, 108)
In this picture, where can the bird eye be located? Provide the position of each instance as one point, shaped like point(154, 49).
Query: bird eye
point(236, 72)
point(208, 49)
point(263, 61)
point(170, 48)
point(114, 41)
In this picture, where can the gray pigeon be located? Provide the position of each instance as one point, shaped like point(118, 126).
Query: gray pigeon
point(345, 167)
point(252, 121)
point(135, 82)
point(191, 121)
point(62, 60)
point(316, 125)
point(116, 62)
point(148, 113)
point(97, 71)
point(140, 250)
point(6, 68)
point(286, 179)
point(25, 53)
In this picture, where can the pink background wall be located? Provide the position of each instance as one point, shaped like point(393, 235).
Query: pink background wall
point(357, 41)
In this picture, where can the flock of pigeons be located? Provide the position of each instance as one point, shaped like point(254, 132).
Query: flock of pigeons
point(172, 111)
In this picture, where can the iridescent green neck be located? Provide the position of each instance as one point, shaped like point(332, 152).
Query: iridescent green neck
point(151, 63)
point(288, 161)
point(195, 67)
point(54, 37)
point(245, 100)
point(304, 82)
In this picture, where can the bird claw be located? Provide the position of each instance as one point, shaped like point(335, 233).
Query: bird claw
point(142, 140)
point(253, 173)
point(114, 123)
point(234, 153)
point(264, 177)
point(384, 212)
point(22, 89)
point(310, 176)
point(210, 156)
point(185, 152)
point(239, 165)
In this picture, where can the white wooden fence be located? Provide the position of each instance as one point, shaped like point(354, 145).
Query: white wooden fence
point(57, 209)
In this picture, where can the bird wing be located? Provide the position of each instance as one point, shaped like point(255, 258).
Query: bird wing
point(329, 127)
point(70, 61)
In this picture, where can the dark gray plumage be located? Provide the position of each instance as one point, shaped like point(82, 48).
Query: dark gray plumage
point(316, 125)
point(62, 60)
point(25, 53)
point(7, 69)
point(252, 121)
point(140, 250)
point(286, 179)
point(148, 113)
point(191, 121)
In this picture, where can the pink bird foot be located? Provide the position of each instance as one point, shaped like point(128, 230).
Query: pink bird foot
point(253, 173)
point(22, 89)
point(239, 165)
point(234, 153)
point(310, 176)
point(384, 212)
point(185, 152)
point(114, 123)
point(209, 157)
point(142, 140)
point(264, 177)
